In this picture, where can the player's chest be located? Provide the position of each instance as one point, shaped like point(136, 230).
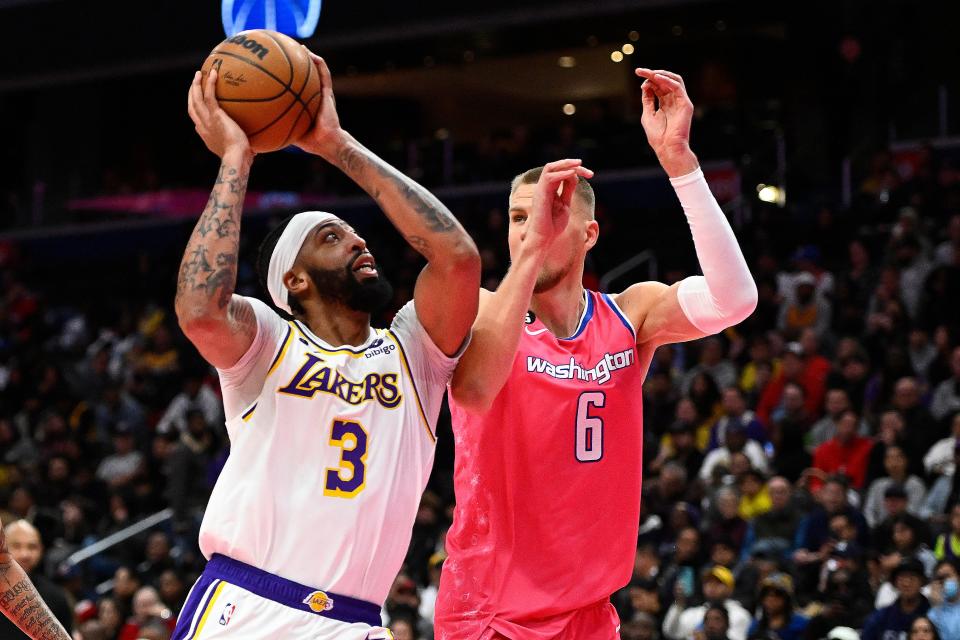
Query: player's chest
point(375, 376)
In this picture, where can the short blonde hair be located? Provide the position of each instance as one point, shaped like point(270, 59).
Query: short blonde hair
point(584, 191)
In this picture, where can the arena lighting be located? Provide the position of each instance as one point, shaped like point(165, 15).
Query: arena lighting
point(296, 18)
point(634, 36)
point(567, 62)
point(772, 194)
point(616, 56)
point(627, 48)
point(569, 109)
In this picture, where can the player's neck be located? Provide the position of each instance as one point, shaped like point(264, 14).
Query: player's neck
point(560, 308)
point(336, 324)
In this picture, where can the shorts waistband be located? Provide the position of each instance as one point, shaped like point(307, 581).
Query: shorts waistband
point(292, 594)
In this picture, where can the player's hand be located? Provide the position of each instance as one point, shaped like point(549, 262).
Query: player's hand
point(218, 130)
point(324, 134)
point(552, 198)
point(667, 124)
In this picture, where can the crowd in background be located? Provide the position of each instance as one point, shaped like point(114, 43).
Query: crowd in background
point(800, 469)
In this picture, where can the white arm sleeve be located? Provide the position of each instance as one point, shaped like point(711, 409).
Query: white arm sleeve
point(725, 294)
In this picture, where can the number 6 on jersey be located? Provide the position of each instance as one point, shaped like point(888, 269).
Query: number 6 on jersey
point(589, 428)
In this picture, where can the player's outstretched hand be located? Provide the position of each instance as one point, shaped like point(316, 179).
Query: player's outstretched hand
point(552, 197)
point(323, 134)
point(666, 119)
point(218, 130)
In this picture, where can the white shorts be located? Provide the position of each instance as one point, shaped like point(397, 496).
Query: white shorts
point(234, 600)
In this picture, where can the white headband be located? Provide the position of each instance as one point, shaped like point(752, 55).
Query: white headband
point(285, 253)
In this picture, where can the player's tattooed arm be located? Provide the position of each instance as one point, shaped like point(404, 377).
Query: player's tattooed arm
point(21, 603)
point(446, 291)
point(220, 324)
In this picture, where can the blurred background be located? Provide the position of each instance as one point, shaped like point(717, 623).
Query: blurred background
point(829, 132)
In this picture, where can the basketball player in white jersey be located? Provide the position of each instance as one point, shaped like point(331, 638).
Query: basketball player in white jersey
point(331, 422)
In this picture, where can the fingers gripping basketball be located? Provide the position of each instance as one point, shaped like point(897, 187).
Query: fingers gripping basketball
point(268, 84)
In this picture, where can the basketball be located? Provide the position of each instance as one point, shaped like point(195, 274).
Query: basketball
point(268, 84)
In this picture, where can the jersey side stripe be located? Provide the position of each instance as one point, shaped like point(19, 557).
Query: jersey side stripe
point(413, 382)
point(209, 608)
point(282, 352)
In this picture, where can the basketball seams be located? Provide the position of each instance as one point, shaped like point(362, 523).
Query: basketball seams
point(285, 56)
point(287, 87)
point(305, 109)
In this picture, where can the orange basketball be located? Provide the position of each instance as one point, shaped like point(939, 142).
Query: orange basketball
point(268, 84)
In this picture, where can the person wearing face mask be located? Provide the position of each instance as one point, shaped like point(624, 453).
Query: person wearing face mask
point(945, 598)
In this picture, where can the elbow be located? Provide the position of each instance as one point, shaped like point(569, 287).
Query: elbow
point(745, 301)
point(196, 323)
point(465, 258)
point(471, 398)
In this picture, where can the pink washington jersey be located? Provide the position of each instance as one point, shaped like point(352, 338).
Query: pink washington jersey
point(548, 484)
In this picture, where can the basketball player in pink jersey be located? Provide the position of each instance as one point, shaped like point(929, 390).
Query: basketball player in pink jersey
point(546, 401)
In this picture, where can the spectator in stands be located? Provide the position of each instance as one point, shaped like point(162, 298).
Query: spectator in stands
point(945, 599)
point(109, 617)
point(682, 571)
point(711, 362)
point(805, 310)
point(24, 544)
point(403, 629)
point(777, 609)
point(196, 395)
point(125, 586)
point(814, 530)
point(172, 589)
point(736, 441)
point(428, 595)
point(895, 464)
point(642, 627)
point(716, 624)
point(679, 446)
point(836, 403)
point(943, 493)
point(754, 495)
point(725, 520)
point(157, 558)
point(939, 461)
point(122, 467)
point(947, 546)
point(735, 410)
point(777, 527)
point(793, 371)
point(148, 609)
point(946, 397)
point(790, 424)
point(681, 621)
point(186, 471)
point(846, 453)
point(908, 578)
point(924, 629)
point(921, 430)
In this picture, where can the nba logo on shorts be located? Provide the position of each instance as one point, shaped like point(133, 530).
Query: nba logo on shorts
point(227, 613)
point(297, 18)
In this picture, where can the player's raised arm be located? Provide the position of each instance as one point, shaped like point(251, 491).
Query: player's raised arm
point(446, 291)
point(486, 365)
point(20, 601)
point(222, 326)
point(725, 294)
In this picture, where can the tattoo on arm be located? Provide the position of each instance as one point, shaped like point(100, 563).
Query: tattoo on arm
point(208, 272)
point(432, 216)
point(20, 601)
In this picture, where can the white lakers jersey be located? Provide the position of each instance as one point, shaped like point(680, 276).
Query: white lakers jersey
point(331, 449)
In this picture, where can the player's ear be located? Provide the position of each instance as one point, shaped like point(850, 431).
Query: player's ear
point(296, 281)
point(591, 233)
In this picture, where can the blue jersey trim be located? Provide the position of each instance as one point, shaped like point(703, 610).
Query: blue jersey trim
point(616, 310)
point(587, 314)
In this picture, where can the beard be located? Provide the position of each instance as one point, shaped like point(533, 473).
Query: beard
point(369, 295)
point(547, 279)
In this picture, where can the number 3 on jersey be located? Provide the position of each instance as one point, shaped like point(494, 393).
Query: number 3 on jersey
point(589, 428)
point(349, 479)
